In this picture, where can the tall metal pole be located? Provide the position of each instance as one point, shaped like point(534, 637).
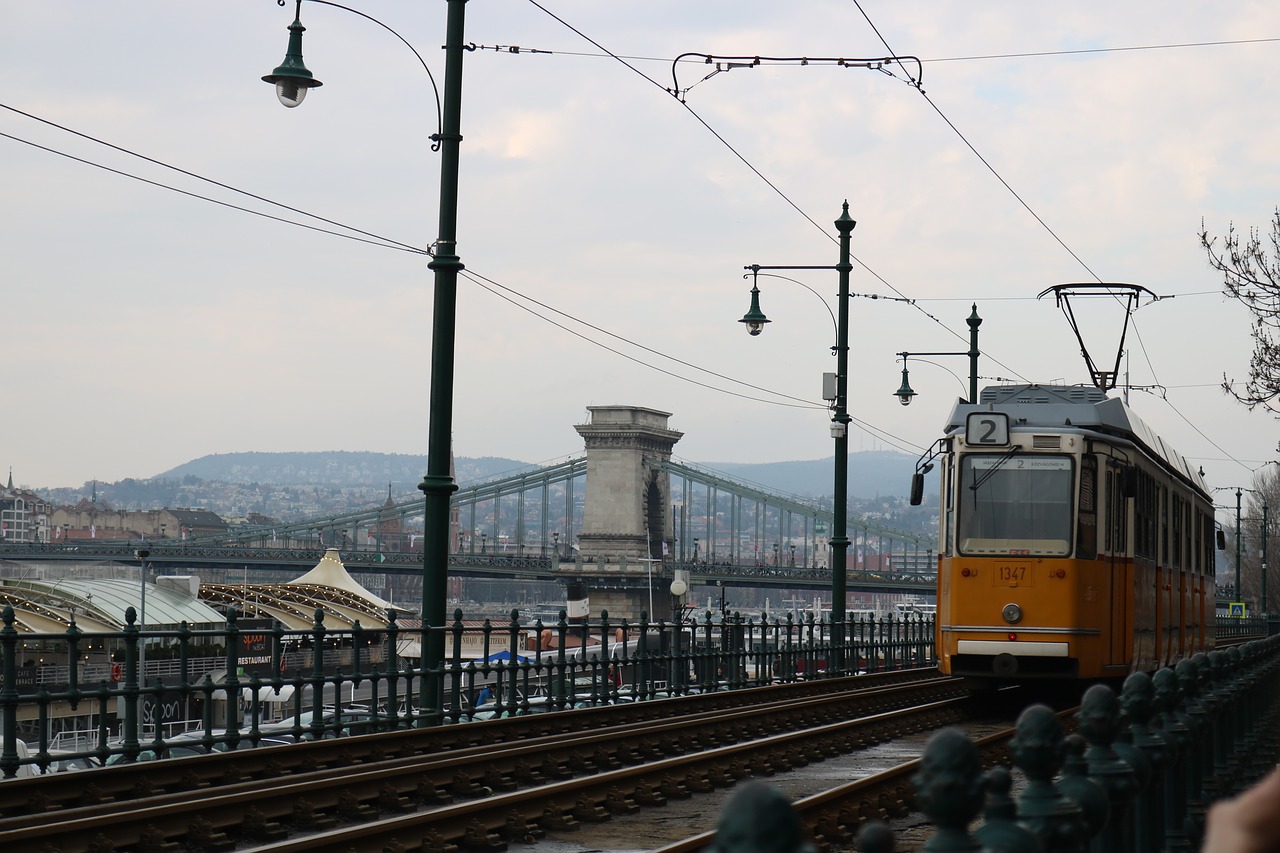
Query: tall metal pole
point(1264, 556)
point(1239, 594)
point(438, 485)
point(974, 322)
point(839, 532)
point(142, 614)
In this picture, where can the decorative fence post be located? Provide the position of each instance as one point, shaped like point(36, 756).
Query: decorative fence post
point(393, 669)
point(133, 675)
point(231, 682)
point(1194, 716)
point(317, 675)
point(1178, 735)
point(1000, 831)
point(950, 791)
point(9, 694)
point(1221, 707)
point(1076, 785)
point(1099, 721)
point(1138, 698)
point(758, 817)
point(1038, 750)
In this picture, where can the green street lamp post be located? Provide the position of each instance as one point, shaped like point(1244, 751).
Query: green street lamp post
point(292, 79)
point(904, 392)
point(755, 321)
point(1239, 593)
point(1264, 557)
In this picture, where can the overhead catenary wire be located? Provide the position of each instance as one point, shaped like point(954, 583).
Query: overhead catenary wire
point(981, 57)
point(373, 238)
point(493, 287)
point(1039, 219)
point(409, 248)
point(773, 186)
point(386, 242)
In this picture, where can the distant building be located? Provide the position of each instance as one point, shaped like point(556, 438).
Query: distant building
point(24, 515)
point(93, 519)
point(186, 523)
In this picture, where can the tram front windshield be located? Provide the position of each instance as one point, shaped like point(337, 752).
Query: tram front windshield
point(1014, 504)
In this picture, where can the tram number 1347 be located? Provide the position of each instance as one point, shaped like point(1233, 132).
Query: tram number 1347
point(1011, 574)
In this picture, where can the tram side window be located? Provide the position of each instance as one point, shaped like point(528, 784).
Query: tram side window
point(1207, 546)
point(1163, 501)
point(1117, 515)
point(1144, 517)
point(1109, 489)
point(1187, 516)
point(1121, 537)
point(1087, 529)
point(1175, 555)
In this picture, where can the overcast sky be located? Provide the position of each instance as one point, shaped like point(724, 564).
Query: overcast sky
point(1056, 143)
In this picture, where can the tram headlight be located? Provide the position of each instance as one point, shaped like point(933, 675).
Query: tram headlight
point(1012, 614)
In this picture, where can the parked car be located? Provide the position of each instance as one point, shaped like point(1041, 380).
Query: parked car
point(353, 720)
point(65, 762)
point(176, 750)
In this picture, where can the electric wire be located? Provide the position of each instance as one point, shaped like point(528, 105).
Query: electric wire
point(1088, 50)
point(776, 189)
point(1039, 219)
point(493, 287)
point(375, 239)
point(375, 242)
point(1028, 208)
point(964, 139)
point(385, 242)
point(1201, 433)
point(388, 243)
point(503, 48)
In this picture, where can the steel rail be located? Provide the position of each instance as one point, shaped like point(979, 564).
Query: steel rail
point(360, 791)
point(835, 815)
point(526, 814)
point(123, 783)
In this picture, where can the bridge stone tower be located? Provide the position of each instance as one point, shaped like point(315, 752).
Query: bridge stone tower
point(626, 517)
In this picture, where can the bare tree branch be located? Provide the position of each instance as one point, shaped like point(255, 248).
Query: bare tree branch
point(1250, 269)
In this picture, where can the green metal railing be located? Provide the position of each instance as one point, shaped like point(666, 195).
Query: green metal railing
point(124, 696)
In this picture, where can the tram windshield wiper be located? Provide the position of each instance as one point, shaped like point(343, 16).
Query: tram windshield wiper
point(995, 466)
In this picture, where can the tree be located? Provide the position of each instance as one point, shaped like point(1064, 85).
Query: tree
point(1251, 275)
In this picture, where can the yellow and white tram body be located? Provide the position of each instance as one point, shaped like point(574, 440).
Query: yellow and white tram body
point(1074, 542)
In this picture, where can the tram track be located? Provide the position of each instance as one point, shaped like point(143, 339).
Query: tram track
point(832, 817)
point(478, 793)
point(126, 782)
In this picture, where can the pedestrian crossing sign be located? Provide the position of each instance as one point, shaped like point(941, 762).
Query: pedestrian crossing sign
point(1237, 610)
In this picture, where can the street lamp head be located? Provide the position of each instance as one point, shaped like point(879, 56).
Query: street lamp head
point(291, 78)
point(904, 392)
point(754, 318)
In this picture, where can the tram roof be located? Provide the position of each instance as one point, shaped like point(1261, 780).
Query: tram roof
point(1065, 407)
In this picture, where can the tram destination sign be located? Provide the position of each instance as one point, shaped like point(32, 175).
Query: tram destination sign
point(987, 429)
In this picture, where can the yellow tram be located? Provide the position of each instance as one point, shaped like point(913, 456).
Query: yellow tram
point(1074, 543)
